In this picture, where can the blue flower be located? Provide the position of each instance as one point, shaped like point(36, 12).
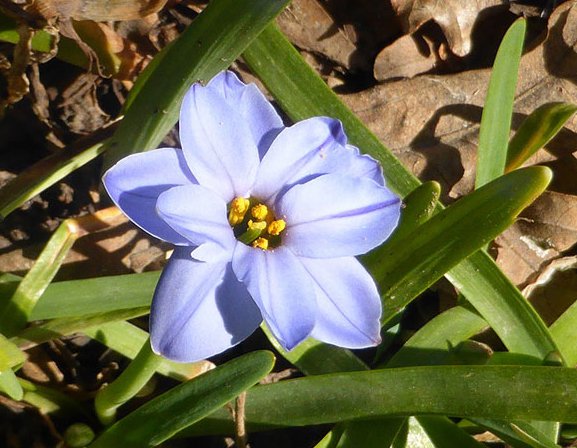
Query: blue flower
point(266, 220)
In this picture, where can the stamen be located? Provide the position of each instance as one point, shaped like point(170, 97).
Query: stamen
point(260, 243)
point(276, 227)
point(259, 225)
point(259, 212)
point(238, 208)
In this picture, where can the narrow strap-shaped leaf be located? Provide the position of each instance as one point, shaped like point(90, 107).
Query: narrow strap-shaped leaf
point(563, 331)
point(126, 339)
point(10, 358)
point(17, 310)
point(500, 392)
point(162, 417)
point(519, 434)
point(66, 326)
point(38, 177)
point(536, 131)
point(418, 207)
point(427, 344)
point(73, 298)
point(410, 265)
point(445, 434)
point(498, 109)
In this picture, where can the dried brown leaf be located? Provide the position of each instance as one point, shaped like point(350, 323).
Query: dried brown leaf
point(309, 26)
point(348, 34)
point(456, 18)
point(117, 56)
point(432, 122)
point(545, 230)
point(554, 290)
point(404, 58)
point(96, 10)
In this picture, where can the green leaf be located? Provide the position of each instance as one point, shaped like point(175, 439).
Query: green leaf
point(9, 384)
point(38, 177)
point(11, 357)
point(564, 331)
point(95, 295)
point(536, 131)
point(16, 312)
point(430, 344)
point(410, 265)
point(497, 392)
point(49, 400)
point(126, 339)
point(519, 434)
point(57, 328)
point(160, 418)
point(445, 434)
point(370, 434)
point(498, 109)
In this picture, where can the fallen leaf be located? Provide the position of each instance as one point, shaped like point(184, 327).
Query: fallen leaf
point(350, 36)
point(96, 10)
point(554, 290)
point(552, 221)
point(545, 229)
point(435, 132)
point(310, 27)
point(455, 17)
point(117, 56)
point(408, 56)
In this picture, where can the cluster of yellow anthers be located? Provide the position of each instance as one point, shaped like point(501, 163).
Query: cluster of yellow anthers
point(257, 230)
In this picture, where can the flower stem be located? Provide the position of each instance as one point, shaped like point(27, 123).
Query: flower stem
point(127, 385)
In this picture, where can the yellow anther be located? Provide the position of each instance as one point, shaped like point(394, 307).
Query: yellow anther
point(238, 208)
point(276, 227)
point(260, 243)
point(259, 212)
point(258, 225)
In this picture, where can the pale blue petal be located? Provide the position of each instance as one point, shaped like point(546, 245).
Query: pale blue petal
point(200, 215)
point(136, 181)
point(263, 120)
point(349, 304)
point(281, 288)
point(199, 309)
point(337, 216)
point(306, 150)
point(217, 141)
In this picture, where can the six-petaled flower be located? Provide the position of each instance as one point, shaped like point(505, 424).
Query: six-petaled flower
point(266, 221)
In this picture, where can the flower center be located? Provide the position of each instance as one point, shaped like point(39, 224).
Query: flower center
point(254, 223)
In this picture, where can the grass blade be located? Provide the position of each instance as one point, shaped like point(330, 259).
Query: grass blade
point(498, 109)
point(536, 131)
